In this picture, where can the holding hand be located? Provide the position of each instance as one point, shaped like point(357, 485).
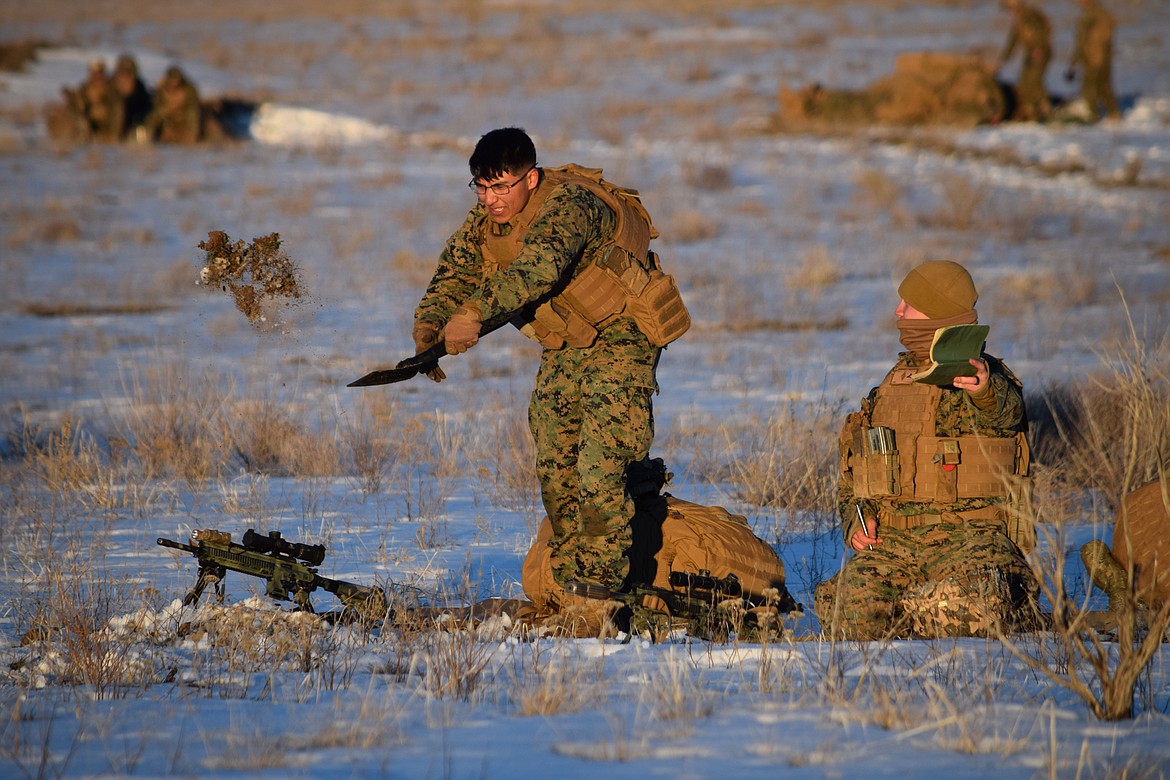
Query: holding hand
point(462, 330)
point(974, 384)
point(425, 336)
point(862, 540)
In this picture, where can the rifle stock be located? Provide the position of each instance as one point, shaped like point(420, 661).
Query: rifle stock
point(425, 360)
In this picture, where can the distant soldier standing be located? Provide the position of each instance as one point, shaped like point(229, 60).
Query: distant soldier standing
point(1032, 33)
point(177, 116)
point(1093, 52)
point(933, 488)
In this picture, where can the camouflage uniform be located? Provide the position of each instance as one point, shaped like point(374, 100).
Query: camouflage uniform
point(1032, 31)
point(177, 116)
point(97, 105)
point(1094, 53)
point(948, 490)
point(590, 411)
point(135, 98)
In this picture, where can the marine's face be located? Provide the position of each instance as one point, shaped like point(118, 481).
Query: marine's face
point(905, 311)
point(502, 206)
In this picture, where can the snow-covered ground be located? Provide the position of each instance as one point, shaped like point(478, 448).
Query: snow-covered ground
point(787, 246)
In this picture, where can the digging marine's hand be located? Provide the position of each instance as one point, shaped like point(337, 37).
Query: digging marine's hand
point(461, 332)
point(426, 336)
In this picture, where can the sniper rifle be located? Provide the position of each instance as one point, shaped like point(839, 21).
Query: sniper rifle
point(288, 568)
point(427, 359)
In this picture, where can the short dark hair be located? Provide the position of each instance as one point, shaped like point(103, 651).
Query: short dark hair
point(506, 150)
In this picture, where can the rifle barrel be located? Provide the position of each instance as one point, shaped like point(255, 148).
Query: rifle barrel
point(176, 545)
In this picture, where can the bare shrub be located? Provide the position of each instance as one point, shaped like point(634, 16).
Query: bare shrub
point(1103, 673)
point(1109, 435)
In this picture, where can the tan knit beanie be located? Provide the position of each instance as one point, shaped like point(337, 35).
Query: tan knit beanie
point(939, 289)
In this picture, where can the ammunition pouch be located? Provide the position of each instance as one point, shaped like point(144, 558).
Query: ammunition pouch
point(872, 455)
point(658, 308)
point(947, 469)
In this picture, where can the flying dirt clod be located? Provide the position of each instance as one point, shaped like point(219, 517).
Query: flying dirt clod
point(251, 273)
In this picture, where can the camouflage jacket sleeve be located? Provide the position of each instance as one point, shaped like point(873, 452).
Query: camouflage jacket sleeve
point(458, 274)
point(1001, 409)
point(573, 223)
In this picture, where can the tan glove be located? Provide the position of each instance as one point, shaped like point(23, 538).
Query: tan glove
point(425, 336)
point(461, 332)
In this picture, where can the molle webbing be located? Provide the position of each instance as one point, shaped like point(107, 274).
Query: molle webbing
point(600, 287)
point(925, 467)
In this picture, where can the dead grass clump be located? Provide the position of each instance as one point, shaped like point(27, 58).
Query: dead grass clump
point(240, 644)
point(785, 462)
point(877, 192)
point(817, 270)
point(269, 439)
point(552, 685)
point(67, 461)
point(73, 633)
point(962, 201)
point(373, 440)
point(1110, 431)
point(688, 227)
point(252, 274)
point(509, 478)
point(172, 424)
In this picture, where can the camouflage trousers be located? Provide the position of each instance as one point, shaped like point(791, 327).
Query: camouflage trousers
point(945, 579)
point(1032, 101)
point(591, 415)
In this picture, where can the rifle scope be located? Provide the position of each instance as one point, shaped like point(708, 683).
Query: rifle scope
point(273, 544)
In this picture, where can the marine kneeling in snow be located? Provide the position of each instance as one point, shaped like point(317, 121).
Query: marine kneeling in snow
point(934, 488)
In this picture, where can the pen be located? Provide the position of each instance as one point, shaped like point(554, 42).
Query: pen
point(864, 527)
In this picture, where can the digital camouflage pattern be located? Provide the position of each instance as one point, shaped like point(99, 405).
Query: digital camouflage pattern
point(590, 411)
point(943, 568)
point(593, 403)
point(960, 578)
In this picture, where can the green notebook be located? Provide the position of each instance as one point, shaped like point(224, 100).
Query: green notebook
point(950, 351)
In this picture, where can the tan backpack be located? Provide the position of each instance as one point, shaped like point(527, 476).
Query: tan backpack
point(672, 536)
point(1141, 536)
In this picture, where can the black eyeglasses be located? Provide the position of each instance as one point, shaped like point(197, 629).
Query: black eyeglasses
point(498, 188)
